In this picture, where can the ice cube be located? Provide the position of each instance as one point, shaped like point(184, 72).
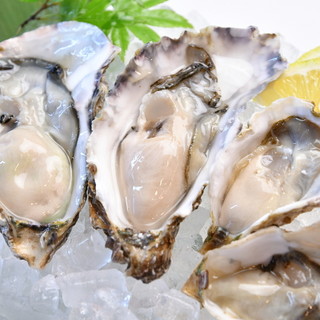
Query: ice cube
point(124, 314)
point(146, 295)
point(45, 295)
point(93, 311)
point(185, 256)
point(17, 309)
point(82, 251)
point(101, 287)
point(174, 305)
point(17, 278)
point(88, 311)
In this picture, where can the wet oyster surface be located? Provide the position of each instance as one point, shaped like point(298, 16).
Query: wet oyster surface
point(258, 277)
point(69, 260)
point(284, 167)
point(259, 265)
point(47, 80)
point(274, 158)
point(39, 131)
point(155, 137)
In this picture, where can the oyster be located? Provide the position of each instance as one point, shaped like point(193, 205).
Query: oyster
point(268, 174)
point(265, 275)
point(149, 149)
point(47, 79)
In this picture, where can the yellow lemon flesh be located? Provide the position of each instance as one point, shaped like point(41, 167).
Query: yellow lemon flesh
point(312, 54)
point(301, 80)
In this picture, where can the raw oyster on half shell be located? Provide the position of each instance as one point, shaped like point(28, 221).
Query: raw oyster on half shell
point(268, 175)
point(151, 141)
point(47, 80)
point(270, 274)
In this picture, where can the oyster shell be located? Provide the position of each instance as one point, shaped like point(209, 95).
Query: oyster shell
point(148, 152)
point(262, 276)
point(268, 174)
point(47, 79)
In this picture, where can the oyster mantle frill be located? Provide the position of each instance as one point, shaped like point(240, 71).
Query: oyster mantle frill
point(151, 141)
point(47, 79)
point(273, 273)
point(268, 175)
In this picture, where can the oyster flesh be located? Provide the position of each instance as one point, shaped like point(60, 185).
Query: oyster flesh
point(148, 152)
point(268, 174)
point(47, 79)
point(270, 274)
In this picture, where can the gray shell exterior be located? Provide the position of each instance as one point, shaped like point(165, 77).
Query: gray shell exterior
point(79, 51)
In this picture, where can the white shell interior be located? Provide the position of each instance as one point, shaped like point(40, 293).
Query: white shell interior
point(239, 290)
point(80, 50)
point(252, 178)
point(149, 185)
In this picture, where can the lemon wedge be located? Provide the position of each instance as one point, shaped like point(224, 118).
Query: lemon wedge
point(301, 80)
point(312, 54)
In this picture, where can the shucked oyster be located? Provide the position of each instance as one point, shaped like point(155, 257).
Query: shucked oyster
point(268, 174)
point(47, 78)
point(262, 276)
point(150, 142)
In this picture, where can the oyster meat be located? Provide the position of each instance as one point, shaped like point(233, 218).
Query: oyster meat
point(47, 79)
point(262, 276)
point(268, 175)
point(152, 141)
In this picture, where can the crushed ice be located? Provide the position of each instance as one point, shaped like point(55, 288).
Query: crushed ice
point(81, 282)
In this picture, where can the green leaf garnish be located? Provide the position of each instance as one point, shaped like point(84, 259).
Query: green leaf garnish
point(120, 20)
point(150, 3)
point(162, 18)
point(69, 9)
point(121, 38)
point(124, 5)
point(144, 33)
point(95, 6)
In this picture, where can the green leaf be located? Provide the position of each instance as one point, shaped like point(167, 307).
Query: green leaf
point(150, 3)
point(126, 6)
point(144, 33)
point(162, 18)
point(70, 9)
point(82, 9)
point(122, 4)
point(121, 38)
point(29, 0)
point(105, 20)
point(96, 6)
